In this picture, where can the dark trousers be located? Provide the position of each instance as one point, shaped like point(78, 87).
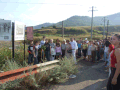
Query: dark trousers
point(47, 55)
point(39, 56)
point(93, 56)
point(79, 52)
point(111, 86)
point(36, 60)
point(84, 52)
point(30, 58)
point(63, 53)
point(98, 55)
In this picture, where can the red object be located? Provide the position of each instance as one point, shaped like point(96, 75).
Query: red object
point(17, 74)
point(23, 72)
point(29, 52)
point(111, 47)
point(113, 59)
point(29, 33)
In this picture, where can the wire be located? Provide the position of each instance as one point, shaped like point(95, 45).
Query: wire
point(38, 3)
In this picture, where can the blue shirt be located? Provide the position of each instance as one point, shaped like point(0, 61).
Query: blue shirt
point(79, 45)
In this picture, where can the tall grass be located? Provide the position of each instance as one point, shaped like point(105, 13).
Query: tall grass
point(42, 79)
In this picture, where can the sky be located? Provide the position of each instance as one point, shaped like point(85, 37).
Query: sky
point(32, 12)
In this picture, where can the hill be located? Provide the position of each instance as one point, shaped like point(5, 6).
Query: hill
point(78, 30)
point(42, 25)
point(114, 19)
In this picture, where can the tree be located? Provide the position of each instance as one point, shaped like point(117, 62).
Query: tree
point(42, 27)
point(54, 26)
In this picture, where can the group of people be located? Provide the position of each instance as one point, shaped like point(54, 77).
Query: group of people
point(51, 51)
point(95, 50)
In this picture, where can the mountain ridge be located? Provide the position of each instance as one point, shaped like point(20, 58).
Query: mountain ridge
point(114, 19)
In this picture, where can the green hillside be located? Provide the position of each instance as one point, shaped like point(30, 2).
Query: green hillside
point(77, 30)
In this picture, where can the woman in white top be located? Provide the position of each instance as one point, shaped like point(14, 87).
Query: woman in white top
point(53, 53)
point(89, 51)
point(106, 48)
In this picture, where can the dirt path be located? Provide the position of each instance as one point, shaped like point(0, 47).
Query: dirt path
point(90, 77)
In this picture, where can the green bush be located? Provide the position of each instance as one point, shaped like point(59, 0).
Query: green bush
point(37, 34)
point(39, 80)
point(61, 73)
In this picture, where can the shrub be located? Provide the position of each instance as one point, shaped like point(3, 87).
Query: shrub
point(37, 34)
point(36, 81)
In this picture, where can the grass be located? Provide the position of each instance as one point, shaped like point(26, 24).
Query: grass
point(43, 79)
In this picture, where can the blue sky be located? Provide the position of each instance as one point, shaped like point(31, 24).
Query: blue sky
point(54, 11)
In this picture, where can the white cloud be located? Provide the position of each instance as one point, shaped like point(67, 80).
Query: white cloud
point(11, 16)
point(30, 9)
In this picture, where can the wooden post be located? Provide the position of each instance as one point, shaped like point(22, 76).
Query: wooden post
point(62, 30)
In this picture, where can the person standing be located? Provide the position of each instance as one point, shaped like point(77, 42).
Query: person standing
point(58, 51)
point(74, 47)
point(114, 79)
point(93, 49)
point(79, 48)
point(52, 45)
point(35, 49)
point(30, 51)
point(111, 47)
point(85, 47)
point(47, 50)
point(63, 47)
point(68, 47)
point(41, 52)
point(98, 51)
point(107, 43)
point(89, 51)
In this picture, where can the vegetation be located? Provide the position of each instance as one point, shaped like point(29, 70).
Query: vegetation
point(42, 79)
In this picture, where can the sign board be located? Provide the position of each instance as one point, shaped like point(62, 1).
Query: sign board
point(19, 33)
point(5, 30)
point(29, 33)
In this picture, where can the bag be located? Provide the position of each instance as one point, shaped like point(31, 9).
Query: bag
point(69, 51)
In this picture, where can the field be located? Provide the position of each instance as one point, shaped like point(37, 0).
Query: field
point(77, 32)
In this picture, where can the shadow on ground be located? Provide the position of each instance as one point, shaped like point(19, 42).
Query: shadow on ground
point(87, 73)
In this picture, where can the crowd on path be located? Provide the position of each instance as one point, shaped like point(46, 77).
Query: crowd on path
point(107, 50)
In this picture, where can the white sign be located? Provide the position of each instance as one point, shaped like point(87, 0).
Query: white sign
point(19, 31)
point(5, 30)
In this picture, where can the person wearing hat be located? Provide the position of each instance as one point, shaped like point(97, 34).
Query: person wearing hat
point(86, 40)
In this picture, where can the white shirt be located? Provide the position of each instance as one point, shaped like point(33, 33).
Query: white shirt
point(76, 44)
point(41, 43)
point(73, 45)
point(89, 47)
point(98, 43)
point(106, 49)
point(87, 41)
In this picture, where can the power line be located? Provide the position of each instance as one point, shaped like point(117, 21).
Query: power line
point(38, 3)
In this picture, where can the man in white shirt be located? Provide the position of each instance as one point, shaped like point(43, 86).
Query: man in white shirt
point(76, 43)
point(74, 47)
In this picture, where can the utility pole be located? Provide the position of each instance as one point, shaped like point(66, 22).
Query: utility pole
point(62, 30)
point(104, 28)
point(92, 21)
point(107, 29)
